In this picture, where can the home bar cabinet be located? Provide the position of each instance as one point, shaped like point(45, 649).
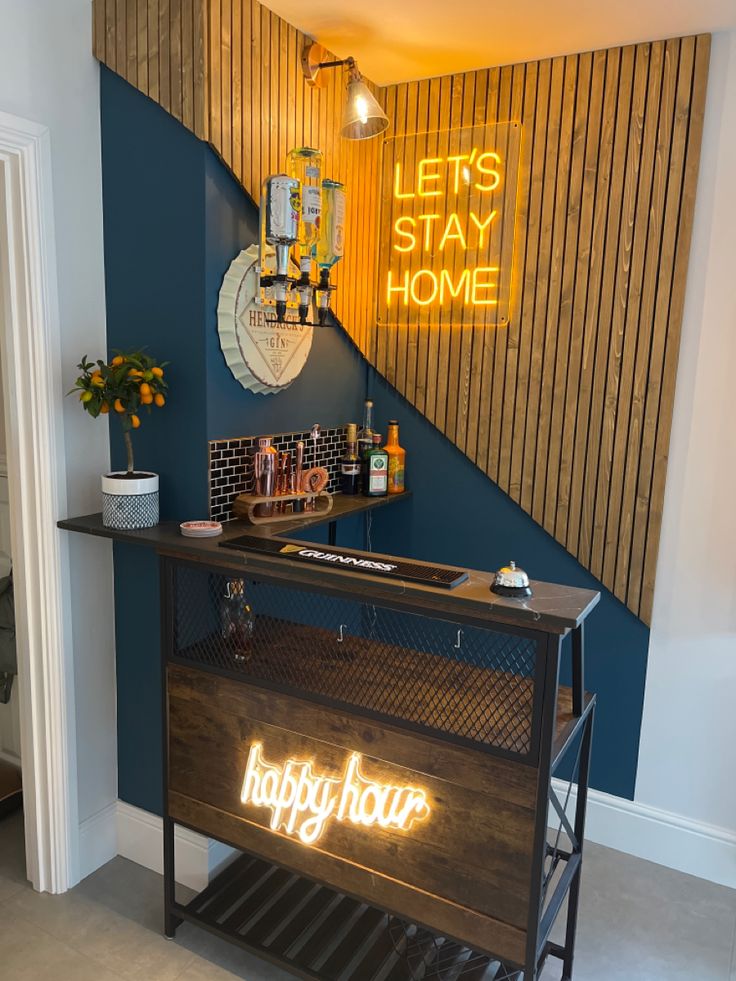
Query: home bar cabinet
point(381, 755)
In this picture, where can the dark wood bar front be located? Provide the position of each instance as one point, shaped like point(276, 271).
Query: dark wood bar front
point(381, 753)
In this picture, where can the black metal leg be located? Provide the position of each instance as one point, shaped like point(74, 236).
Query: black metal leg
point(332, 533)
point(171, 922)
point(578, 670)
point(580, 808)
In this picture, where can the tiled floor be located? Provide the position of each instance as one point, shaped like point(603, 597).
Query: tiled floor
point(639, 922)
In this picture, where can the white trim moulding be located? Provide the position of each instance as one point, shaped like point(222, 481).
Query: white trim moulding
point(645, 832)
point(140, 837)
point(37, 482)
point(658, 836)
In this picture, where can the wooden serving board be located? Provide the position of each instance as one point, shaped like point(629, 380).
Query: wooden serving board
point(244, 506)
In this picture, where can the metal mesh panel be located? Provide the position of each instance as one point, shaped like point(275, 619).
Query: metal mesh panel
point(471, 682)
point(429, 957)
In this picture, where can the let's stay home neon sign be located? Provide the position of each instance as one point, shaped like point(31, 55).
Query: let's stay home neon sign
point(448, 222)
point(302, 802)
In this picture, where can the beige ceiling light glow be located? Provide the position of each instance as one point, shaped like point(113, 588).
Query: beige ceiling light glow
point(362, 116)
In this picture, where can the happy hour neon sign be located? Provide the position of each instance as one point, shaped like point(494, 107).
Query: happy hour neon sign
point(447, 225)
point(302, 801)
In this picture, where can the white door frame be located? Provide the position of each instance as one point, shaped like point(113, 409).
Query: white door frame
point(31, 366)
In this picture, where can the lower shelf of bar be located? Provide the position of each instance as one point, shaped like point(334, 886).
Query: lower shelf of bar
point(320, 934)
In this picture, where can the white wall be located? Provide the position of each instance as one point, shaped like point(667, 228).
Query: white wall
point(689, 727)
point(48, 74)
point(2, 420)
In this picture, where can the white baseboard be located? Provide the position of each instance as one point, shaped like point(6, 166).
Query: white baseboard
point(659, 836)
point(140, 838)
point(98, 840)
point(637, 829)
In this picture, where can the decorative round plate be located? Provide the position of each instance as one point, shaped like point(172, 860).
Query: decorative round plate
point(265, 357)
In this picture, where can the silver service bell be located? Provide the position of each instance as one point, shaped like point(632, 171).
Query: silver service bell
point(511, 581)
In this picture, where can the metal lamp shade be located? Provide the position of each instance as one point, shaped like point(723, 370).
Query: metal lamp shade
point(363, 116)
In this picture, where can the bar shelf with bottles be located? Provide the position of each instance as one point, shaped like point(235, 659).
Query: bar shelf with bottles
point(302, 222)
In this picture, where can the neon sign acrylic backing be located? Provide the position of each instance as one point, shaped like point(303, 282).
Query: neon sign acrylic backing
point(448, 217)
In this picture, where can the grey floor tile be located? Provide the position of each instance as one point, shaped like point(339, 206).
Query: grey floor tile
point(122, 943)
point(217, 960)
point(645, 922)
point(31, 954)
point(12, 856)
point(12, 848)
point(638, 922)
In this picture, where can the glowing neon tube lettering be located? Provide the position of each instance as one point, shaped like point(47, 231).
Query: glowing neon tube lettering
point(302, 802)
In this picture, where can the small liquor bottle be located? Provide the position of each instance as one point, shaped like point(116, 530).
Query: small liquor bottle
point(396, 459)
point(350, 463)
point(365, 436)
point(375, 473)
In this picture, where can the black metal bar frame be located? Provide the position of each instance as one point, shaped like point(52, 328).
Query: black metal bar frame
point(171, 919)
point(541, 916)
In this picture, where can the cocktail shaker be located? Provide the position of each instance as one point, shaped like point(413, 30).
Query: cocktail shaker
point(264, 469)
point(298, 471)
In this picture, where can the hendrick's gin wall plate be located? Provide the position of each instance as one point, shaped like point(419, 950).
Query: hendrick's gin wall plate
point(265, 357)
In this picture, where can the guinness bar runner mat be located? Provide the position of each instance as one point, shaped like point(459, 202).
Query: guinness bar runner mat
point(428, 575)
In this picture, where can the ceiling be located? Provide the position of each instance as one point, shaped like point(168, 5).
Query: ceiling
point(397, 40)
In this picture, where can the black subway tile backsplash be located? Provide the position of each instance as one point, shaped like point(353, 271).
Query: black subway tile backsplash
point(231, 464)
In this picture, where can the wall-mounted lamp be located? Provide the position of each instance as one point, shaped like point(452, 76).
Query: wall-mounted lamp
point(362, 117)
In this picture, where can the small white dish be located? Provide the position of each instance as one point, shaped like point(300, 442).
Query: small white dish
point(200, 529)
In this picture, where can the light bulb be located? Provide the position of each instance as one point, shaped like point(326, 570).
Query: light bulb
point(361, 107)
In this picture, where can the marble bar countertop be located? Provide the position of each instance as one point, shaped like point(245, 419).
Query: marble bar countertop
point(553, 608)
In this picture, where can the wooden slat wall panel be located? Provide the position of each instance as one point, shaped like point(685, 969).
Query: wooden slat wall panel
point(159, 46)
point(569, 407)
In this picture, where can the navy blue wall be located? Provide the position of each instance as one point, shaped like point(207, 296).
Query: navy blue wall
point(484, 531)
point(174, 219)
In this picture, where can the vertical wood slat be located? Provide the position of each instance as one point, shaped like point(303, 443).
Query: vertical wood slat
point(575, 397)
point(142, 46)
point(121, 37)
point(617, 301)
point(569, 407)
point(630, 339)
point(465, 332)
point(131, 42)
point(694, 108)
point(527, 287)
point(646, 376)
point(98, 30)
point(543, 329)
point(617, 185)
point(508, 104)
point(152, 41)
point(236, 83)
point(513, 236)
point(175, 63)
point(602, 164)
point(187, 63)
point(564, 387)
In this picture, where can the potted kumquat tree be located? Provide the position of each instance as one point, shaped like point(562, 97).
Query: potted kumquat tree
point(130, 383)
